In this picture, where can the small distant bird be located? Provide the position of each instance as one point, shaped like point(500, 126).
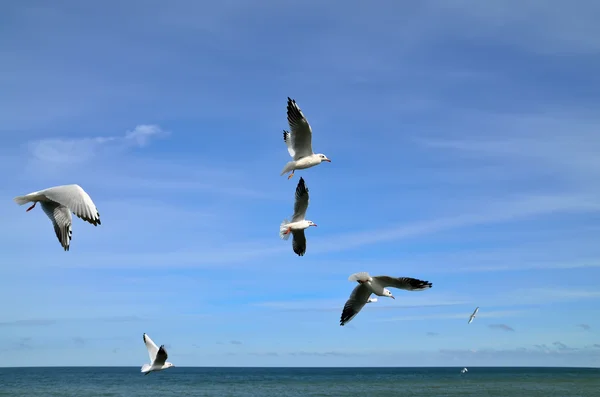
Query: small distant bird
point(298, 224)
point(473, 315)
point(299, 141)
point(58, 202)
point(462, 371)
point(376, 285)
point(158, 357)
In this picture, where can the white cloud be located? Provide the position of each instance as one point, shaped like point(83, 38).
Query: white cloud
point(77, 150)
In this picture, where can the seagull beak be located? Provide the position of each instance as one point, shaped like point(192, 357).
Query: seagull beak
point(392, 296)
point(329, 161)
point(314, 224)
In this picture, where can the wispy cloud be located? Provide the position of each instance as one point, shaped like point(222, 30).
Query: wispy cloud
point(235, 342)
point(432, 334)
point(41, 322)
point(584, 327)
point(507, 210)
point(78, 150)
point(502, 327)
point(452, 316)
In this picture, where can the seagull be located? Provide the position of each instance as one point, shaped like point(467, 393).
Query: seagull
point(158, 357)
point(299, 141)
point(473, 315)
point(376, 285)
point(298, 224)
point(462, 371)
point(58, 202)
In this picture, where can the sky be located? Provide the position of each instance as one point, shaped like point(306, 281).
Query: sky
point(464, 144)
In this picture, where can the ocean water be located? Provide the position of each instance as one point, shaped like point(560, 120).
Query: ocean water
point(288, 382)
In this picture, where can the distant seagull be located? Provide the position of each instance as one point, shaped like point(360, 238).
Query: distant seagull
point(299, 141)
point(376, 285)
point(298, 224)
point(158, 357)
point(462, 371)
point(58, 202)
point(473, 315)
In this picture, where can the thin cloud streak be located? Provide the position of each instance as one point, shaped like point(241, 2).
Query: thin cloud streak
point(502, 327)
point(230, 254)
point(78, 150)
point(455, 316)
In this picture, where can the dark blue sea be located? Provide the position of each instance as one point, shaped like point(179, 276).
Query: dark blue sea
point(287, 382)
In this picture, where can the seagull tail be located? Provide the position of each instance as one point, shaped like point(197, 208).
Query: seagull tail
point(146, 367)
point(23, 199)
point(283, 229)
point(288, 167)
point(360, 276)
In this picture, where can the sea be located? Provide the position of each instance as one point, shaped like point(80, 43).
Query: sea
point(295, 382)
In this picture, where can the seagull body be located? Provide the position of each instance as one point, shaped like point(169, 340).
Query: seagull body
point(368, 285)
point(462, 371)
point(473, 315)
point(299, 141)
point(158, 357)
point(58, 202)
point(298, 224)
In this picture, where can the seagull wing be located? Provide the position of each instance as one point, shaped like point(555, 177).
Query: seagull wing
point(407, 283)
point(161, 356)
point(301, 203)
point(358, 299)
point(299, 242)
point(300, 138)
point(287, 138)
point(61, 220)
point(76, 199)
point(152, 348)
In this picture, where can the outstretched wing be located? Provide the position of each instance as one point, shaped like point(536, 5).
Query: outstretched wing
point(76, 199)
point(473, 315)
point(152, 348)
point(299, 242)
point(161, 356)
point(300, 138)
point(358, 299)
point(61, 220)
point(301, 203)
point(406, 283)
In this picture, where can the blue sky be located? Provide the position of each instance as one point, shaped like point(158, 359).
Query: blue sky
point(464, 144)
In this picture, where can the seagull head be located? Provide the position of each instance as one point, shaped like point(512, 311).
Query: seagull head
point(322, 157)
point(388, 293)
point(169, 365)
point(311, 223)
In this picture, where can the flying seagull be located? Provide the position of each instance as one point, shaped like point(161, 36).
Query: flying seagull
point(298, 224)
point(473, 315)
point(368, 285)
point(158, 357)
point(299, 141)
point(58, 202)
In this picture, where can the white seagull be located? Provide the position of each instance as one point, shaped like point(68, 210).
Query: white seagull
point(299, 141)
point(158, 357)
point(376, 285)
point(58, 202)
point(473, 315)
point(298, 224)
